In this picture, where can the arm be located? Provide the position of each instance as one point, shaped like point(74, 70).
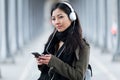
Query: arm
point(76, 72)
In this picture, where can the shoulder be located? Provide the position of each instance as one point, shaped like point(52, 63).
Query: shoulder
point(84, 51)
point(86, 47)
point(85, 43)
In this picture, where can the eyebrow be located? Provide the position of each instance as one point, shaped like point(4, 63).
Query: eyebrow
point(58, 15)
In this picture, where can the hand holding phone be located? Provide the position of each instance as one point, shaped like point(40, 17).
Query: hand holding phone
point(36, 54)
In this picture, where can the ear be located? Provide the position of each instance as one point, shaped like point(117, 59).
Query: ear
point(50, 21)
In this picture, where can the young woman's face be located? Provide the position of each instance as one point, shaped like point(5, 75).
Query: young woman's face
point(60, 20)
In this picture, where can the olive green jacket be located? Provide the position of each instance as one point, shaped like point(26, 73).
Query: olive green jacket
point(79, 66)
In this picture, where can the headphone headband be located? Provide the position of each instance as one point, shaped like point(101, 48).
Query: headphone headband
point(72, 15)
point(71, 8)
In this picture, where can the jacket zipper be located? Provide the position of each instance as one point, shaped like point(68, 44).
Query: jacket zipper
point(58, 57)
point(53, 76)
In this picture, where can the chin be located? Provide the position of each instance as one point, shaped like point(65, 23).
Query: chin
point(60, 30)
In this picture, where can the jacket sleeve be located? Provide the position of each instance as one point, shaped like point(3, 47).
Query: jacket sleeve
point(76, 72)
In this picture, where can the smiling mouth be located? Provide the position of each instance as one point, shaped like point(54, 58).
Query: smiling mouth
point(59, 27)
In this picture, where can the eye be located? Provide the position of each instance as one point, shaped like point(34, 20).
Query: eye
point(61, 17)
point(53, 18)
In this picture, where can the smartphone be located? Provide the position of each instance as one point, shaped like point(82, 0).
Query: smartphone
point(36, 54)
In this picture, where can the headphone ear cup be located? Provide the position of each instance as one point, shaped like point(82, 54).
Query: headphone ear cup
point(72, 16)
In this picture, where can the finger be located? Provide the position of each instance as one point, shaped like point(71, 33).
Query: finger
point(48, 55)
point(38, 58)
point(45, 58)
point(44, 61)
point(39, 63)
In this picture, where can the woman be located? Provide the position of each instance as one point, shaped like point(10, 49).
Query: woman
point(66, 54)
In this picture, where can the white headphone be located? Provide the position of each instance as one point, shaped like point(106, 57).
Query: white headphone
point(72, 15)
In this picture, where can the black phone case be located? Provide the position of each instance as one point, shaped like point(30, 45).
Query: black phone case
point(36, 54)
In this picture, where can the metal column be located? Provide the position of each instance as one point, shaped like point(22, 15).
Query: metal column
point(105, 30)
point(116, 56)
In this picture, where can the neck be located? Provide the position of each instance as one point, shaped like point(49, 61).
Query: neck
point(62, 36)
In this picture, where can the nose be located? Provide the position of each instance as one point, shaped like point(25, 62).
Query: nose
point(57, 22)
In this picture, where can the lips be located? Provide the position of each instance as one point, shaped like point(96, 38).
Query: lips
point(59, 27)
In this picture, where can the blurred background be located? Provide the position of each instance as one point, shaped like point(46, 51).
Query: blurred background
point(25, 27)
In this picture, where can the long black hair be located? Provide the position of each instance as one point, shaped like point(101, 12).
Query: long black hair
point(75, 39)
